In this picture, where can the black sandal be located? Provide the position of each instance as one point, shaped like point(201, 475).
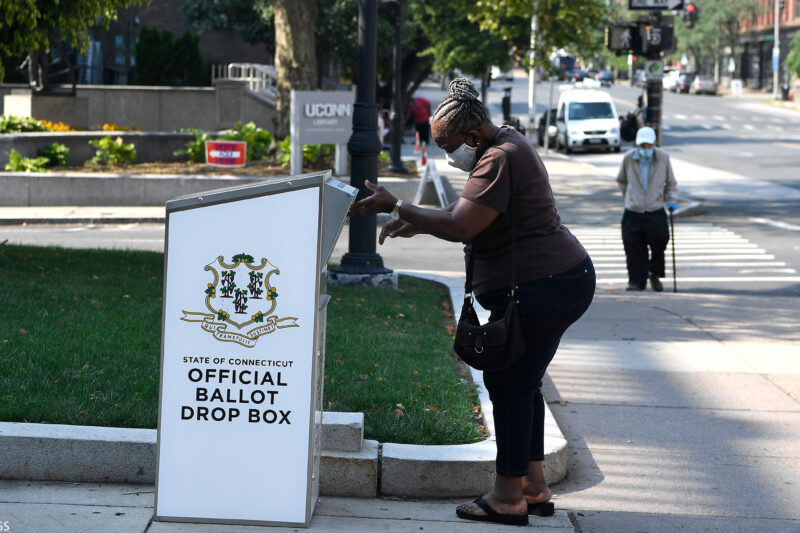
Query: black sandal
point(492, 515)
point(541, 509)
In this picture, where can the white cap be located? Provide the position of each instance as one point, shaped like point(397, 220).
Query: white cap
point(645, 135)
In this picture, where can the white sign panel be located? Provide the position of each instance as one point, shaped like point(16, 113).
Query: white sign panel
point(656, 5)
point(240, 312)
point(322, 117)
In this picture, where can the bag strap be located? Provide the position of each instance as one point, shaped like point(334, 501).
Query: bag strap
point(470, 262)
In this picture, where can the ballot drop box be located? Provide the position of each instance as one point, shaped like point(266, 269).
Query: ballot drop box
point(242, 357)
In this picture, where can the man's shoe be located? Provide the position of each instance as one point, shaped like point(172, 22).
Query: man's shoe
point(655, 283)
point(633, 287)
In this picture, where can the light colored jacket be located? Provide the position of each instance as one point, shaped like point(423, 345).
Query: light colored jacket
point(662, 188)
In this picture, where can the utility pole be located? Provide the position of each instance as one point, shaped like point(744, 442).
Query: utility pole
point(532, 72)
point(776, 51)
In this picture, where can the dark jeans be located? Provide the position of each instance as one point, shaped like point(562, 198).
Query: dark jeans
point(640, 231)
point(547, 308)
point(424, 130)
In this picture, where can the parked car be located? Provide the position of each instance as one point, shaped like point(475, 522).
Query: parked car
point(606, 78)
point(683, 82)
point(670, 80)
point(498, 74)
point(587, 120)
point(703, 85)
point(638, 78)
point(580, 75)
point(552, 129)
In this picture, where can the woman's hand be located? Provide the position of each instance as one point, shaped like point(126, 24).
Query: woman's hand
point(380, 202)
point(397, 228)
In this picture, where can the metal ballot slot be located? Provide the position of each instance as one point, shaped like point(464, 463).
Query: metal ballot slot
point(243, 351)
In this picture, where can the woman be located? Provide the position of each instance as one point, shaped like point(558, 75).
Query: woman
point(554, 275)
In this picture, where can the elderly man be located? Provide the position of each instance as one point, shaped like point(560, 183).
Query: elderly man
point(647, 183)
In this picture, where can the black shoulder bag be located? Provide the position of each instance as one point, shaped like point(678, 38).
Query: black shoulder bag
point(495, 345)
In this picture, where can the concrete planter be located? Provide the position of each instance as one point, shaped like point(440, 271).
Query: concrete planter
point(150, 145)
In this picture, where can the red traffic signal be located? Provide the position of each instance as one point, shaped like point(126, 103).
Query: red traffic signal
point(690, 9)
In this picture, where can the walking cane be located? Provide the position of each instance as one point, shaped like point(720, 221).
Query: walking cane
point(674, 272)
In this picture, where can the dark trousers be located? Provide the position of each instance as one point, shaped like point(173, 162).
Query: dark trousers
point(424, 130)
point(547, 307)
point(641, 231)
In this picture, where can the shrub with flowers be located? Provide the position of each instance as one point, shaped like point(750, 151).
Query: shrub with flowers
point(56, 126)
point(119, 127)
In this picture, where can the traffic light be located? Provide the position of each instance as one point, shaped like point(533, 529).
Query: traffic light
point(690, 14)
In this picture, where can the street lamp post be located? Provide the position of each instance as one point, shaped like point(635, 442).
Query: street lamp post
point(361, 265)
point(396, 117)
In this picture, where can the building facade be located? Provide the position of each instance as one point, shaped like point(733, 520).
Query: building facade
point(758, 39)
point(111, 57)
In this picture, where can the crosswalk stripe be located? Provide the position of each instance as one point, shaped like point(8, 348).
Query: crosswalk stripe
point(705, 253)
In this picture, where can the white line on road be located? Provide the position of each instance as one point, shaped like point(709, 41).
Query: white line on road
point(719, 117)
point(749, 279)
point(776, 223)
point(749, 127)
point(681, 117)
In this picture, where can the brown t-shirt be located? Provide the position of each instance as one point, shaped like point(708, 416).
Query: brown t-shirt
point(543, 245)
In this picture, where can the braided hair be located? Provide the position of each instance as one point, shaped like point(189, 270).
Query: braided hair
point(461, 110)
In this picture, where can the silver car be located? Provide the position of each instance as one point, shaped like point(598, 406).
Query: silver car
point(703, 85)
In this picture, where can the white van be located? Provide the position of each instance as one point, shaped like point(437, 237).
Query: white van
point(587, 120)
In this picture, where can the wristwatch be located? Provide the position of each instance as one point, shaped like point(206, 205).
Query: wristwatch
point(395, 214)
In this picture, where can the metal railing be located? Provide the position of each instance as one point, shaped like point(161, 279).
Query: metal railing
point(261, 79)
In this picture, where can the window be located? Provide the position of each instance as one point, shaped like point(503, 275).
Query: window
point(589, 110)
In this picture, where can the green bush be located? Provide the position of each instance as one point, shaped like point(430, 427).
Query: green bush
point(312, 153)
point(13, 124)
point(56, 153)
point(285, 151)
point(17, 163)
point(259, 141)
point(196, 148)
point(113, 152)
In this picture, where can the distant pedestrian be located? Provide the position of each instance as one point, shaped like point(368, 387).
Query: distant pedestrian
point(420, 112)
point(647, 183)
point(553, 275)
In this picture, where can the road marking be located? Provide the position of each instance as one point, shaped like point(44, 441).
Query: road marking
point(625, 102)
point(776, 223)
point(719, 117)
point(749, 127)
point(666, 128)
point(726, 127)
point(699, 117)
point(787, 145)
point(704, 253)
point(707, 127)
point(681, 117)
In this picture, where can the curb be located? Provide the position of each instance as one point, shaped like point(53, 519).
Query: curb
point(48, 452)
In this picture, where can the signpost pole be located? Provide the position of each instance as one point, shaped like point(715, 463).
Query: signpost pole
point(776, 51)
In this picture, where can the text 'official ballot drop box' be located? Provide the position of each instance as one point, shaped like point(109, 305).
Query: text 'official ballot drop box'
point(243, 350)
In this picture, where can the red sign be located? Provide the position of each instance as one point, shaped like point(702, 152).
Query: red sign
point(226, 153)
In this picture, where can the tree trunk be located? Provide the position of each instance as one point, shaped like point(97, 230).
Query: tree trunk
point(295, 55)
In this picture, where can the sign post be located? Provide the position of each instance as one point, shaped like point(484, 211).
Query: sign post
point(242, 356)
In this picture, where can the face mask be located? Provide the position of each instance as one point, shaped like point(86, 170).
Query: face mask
point(463, 158)
point(647, 153)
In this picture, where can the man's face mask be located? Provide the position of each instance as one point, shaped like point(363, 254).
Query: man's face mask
point(463, 158)
point(647, 153)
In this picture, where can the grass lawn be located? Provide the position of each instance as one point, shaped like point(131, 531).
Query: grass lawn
point(80, 344)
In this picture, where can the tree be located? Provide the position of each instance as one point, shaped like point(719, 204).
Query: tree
point(571, 26)
point(32, 27)
point(295, 53)
point(727, 20)
point(162, 61)
point(464, 45)
point(793, 61)
point(252, 20)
